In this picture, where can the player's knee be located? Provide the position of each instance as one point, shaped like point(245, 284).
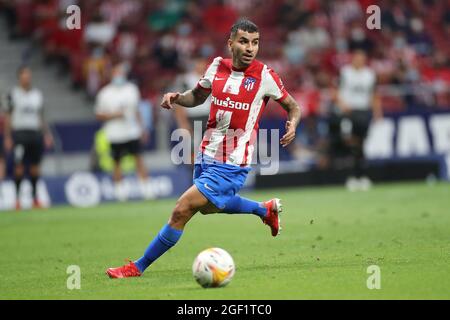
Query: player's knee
point(181, 213)
point(206, 211)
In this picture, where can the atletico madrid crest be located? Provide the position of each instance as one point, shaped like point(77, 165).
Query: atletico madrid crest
point(249, 83)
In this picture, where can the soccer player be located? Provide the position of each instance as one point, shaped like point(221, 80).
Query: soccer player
point(240, 88)
point(26, 133)
point(118, 107)
point(357, 103)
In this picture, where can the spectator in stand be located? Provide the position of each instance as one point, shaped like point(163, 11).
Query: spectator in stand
point(165, 17)
point(312, 36)
point(358, 38)
point(46, 13)
point(418, 38)
point(126, 43)
point(99, 31)
point(95, 70)
point(166, 53)
point(218, 17)
point(437, 75)
point(10, 13)
point(309, 40)
point(293, 14)
point(117, 11)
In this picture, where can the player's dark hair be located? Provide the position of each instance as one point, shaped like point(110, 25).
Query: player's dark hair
point(22, 68)
point(244, 25)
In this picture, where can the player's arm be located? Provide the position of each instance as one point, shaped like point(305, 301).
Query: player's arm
point(188, 99)
point(104, 116)
point(341, 105)
point(102, 113)
point(7, 135)
point(377, 109)
point(145, 134)
point(294, 115)
point(48, 137)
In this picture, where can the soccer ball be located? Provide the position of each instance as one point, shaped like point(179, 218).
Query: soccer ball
point(213, 267)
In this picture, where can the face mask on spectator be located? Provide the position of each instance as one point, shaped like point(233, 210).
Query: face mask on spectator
point(97, 53)
point(399, 42)
point(119, 80)
point(358, 34)
point(184, 29)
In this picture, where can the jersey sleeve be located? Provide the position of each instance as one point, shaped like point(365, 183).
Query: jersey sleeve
point(274, 87)
point(40, 100)
point(100, 102)
point(136, 96)
point(206, 81)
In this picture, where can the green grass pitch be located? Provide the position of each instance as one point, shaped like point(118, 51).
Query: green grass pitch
point(330, 238)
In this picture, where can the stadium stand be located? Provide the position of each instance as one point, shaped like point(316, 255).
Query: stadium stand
point(304, 41)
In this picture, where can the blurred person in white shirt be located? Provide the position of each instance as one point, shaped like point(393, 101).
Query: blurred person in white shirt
point(192, 119)
point(357, 103)
point(117, 106)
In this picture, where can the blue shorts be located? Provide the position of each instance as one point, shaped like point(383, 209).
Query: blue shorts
point(218, 182)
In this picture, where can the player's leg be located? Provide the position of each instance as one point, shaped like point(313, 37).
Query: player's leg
point(19, 168)
point(33, 155)
point(187, 205)
point(222, 193)
point(141, 170)
point(119, 188)
point(241, 205)
point(360, 125)
point(35, 173)
point(362, 128)
point(19, 171)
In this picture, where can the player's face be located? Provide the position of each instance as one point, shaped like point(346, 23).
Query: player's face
point(25, 78)
point(118, 71)
point(244, 48)
point(359, 59)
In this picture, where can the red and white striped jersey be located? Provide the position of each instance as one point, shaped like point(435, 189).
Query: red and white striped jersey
point(238, 98)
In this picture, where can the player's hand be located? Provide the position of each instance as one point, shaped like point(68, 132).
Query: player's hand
point(377, 115)
point(289, 136)
point(120, 114)
point(145, 137)
point(8, 144)
point(48, 141)
point(168, 99)
point(345, 110)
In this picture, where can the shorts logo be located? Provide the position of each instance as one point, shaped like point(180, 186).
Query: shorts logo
point(249, 83)
point(208, 187)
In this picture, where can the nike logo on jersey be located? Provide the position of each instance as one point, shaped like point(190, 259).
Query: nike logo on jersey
point(219, 79)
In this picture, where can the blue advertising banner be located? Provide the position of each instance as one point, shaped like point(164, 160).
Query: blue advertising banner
point(85, 189)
